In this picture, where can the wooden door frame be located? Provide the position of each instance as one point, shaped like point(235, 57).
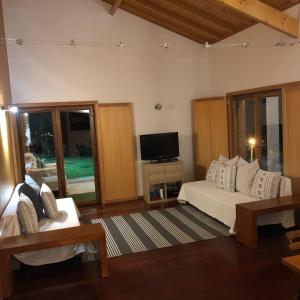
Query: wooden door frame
point(55, 108)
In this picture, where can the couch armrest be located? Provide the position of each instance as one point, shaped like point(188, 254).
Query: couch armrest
point(51, 239)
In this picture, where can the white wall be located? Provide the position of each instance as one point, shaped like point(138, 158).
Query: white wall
point(234, 69)
point(142, 72)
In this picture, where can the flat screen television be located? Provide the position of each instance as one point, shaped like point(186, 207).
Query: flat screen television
point(160, 146)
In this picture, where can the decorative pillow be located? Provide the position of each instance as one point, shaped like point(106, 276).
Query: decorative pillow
point(226, 178)
point(241, 162)
point(49, 202)
point(27, 215)
point(222, 159)
point(33, 193)
point(266, 185)
point(229, 162)
point(211, 174)
point(245, 176)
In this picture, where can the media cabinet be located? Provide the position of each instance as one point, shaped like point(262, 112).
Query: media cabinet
point(162, 181)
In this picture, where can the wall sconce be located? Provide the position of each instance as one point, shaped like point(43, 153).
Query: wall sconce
point(158, 106)
point(252, 144)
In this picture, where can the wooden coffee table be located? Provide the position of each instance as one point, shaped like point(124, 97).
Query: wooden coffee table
point(44, 240)
point(247, 213)
point(293, 263)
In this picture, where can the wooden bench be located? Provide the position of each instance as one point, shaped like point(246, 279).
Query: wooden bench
point(247, 213)
point(44, 240)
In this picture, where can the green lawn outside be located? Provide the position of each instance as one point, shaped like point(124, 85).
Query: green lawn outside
point(76, 166)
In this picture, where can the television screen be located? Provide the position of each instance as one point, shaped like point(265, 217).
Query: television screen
point(160, 146)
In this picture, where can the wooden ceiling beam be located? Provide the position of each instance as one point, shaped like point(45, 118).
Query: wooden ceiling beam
point(115, 5)
point(207, 17)
point(156, 5)
point(263, 13)
point(162, 22)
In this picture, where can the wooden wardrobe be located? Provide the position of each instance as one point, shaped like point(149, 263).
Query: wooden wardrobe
point(210, 132)
point(117, 152)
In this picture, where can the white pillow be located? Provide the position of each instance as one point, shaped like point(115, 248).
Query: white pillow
point(226, 178)
point(245, 177)
point(211, 174)
point(229, 162)
point(49, 202)
point(266, 185)
point(27, 215)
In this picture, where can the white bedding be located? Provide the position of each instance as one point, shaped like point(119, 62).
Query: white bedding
point(221, 204)
point(68, 217)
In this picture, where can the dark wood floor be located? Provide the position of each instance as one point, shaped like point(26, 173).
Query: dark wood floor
point(212, 269)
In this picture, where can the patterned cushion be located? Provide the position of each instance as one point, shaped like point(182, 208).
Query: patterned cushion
point(49, 202)
point(211, 174)
point(266, 185)
point(226, 178)
point(33, 193)
point(27, 215)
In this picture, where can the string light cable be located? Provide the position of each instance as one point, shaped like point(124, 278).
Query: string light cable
point(165, 45)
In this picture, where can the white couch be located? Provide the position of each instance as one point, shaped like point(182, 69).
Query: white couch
point(68, 217)
point(221, 205)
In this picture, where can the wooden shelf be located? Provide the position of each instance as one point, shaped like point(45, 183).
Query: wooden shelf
point(159, 178)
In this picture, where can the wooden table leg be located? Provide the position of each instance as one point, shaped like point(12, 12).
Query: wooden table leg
point(246, 227)
point(103, 256)
point(6, 276)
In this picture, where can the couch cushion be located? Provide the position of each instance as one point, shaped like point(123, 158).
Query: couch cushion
point(226, 178)
point(67, 216)
point(266, 185)
point(211, 174)
point(27, 215)
point(49, 202)
point(33, 193)
point(245, 177)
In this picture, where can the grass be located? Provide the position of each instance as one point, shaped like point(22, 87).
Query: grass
point(76, 166)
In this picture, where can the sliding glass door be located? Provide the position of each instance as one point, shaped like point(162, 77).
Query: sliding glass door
point(78, 155)
point(38, 147)
point(258, 117)
point(58, 147)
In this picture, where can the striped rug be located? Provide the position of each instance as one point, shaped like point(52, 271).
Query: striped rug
point(154, 229)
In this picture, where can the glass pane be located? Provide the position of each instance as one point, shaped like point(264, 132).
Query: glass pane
point(38, 145)
point(271, 141)
point(245, 127)
point(78, 156)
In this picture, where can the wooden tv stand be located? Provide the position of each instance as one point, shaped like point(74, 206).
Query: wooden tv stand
point(162, 181)
point(247, 213)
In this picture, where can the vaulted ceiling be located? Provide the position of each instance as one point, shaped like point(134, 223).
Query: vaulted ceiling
point(199, 20)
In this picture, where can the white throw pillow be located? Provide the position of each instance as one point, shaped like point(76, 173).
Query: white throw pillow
point(229, 162)
point(222, 159)
point(211, 174)
point(49, 202)
point(27, 215)
point(245, 177)
point(241, 162)
point(226, 178)
point(266, 185)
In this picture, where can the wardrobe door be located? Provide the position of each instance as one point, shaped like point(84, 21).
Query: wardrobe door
point(210, 132)
point(218, 128)
point(201, 137)
point(117, 152)
point(291, 134)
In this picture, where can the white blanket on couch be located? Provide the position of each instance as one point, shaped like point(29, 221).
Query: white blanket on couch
point(221, 204)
